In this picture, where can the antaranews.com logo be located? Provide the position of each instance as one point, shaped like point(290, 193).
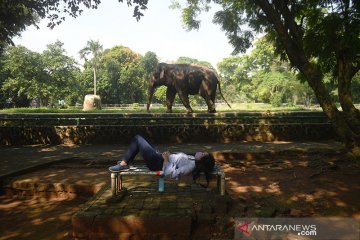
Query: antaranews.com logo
point(302, 230)
point(297, 228)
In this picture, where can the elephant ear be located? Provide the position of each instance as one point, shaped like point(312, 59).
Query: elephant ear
point(162, 74)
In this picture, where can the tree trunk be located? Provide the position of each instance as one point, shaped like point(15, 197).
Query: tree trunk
point(44, 101)
point(94, 70)
point(337, 118)
point(345, 74)
point(339, 121)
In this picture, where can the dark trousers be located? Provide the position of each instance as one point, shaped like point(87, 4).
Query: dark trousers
point(152, 157)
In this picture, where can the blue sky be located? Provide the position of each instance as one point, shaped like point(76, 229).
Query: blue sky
point(160, 31)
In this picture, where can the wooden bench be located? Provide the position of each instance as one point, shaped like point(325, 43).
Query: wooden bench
point(116, 178)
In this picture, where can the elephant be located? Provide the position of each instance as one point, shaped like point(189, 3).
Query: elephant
point(185, 79)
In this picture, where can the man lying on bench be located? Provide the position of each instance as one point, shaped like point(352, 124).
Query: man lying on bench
point(174, 165)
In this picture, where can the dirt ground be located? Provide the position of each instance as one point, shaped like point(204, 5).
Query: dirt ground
point(286, 184)
point(294, 184)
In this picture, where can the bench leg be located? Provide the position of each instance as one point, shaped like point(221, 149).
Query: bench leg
point(218, 182)
point(222, 184)
point(119, 183)
point(113, 184)
point(161, 183)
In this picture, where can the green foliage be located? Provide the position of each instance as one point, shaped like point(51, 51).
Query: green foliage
point(187, 60)
point(260, 76)
point(160, 94)
point(93, 48)
point(276, 99)
point(135, 105)
point(121, 76)
point(46, 78)
point(332, 32)
point(195, 99)
point(62, 72)
point(355, 88)
point(21, 66)
point(149, 63)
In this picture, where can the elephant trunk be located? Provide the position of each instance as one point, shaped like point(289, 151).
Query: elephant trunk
point(150, 95)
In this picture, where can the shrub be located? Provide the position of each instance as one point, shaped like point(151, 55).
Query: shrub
point(276, 100)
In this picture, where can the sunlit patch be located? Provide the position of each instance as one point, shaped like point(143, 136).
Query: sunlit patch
point(51, 175)
point(307, 197)
point(10, 205)
point(92, 174)
point(64, 217)
point(9, 235)
point(37, 221)
point(320, 193)
point(241, 189)
point(256, 189)
point(345, 189)
point(340, 203)
point(273, 188)
point(303, 163)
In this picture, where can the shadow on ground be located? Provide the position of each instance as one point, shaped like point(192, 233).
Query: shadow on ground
point(295, 184)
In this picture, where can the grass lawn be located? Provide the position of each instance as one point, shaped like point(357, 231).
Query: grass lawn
point(138, 108)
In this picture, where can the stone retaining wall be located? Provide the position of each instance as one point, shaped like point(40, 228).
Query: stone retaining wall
point(16, 129)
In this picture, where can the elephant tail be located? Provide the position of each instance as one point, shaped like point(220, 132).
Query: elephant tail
point(222, 94)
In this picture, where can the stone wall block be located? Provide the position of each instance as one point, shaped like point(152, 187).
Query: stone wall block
point(163, 128)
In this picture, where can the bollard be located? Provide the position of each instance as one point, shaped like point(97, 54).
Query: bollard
point(113, 184)
point(161, 183)
point(222, 184)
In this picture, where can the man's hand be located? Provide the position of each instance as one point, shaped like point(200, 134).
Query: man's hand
point(165, 156)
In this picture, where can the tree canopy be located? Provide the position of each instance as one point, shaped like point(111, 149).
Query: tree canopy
point(121, 78)
point(260, 76)
point(50, 76)
point(45, 77)
point(189, 60)
point(95, 49)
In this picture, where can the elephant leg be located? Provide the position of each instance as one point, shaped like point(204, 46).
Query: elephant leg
point(170, 96)
point(211, 105)
point(210, 102)
point(185, 100)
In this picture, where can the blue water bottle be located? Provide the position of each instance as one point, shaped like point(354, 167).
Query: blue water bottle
point(161, 183)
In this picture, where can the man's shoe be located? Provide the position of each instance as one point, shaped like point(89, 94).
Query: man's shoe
point(118, 168)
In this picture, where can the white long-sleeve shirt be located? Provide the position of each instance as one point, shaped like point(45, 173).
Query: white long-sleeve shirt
point(179, 164)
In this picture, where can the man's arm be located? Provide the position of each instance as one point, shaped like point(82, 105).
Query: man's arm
point(165, 156)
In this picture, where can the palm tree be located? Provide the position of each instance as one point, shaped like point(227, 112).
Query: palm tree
point(95, 49)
